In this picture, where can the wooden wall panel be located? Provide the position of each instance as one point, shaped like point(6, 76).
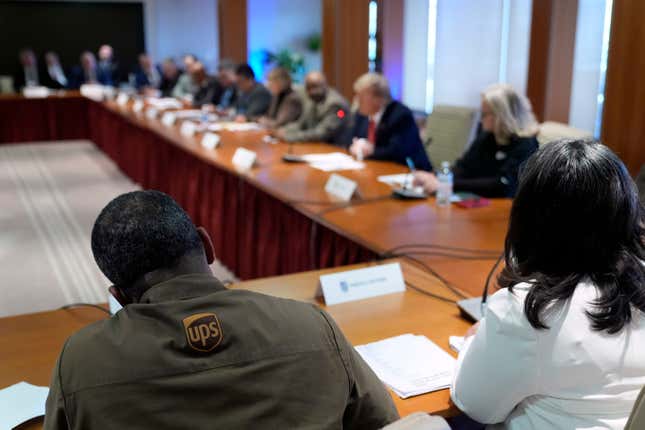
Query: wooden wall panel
point(553, 35)
point(391, 12)
point(232, 20)
point(623, 126)
point(344, 42)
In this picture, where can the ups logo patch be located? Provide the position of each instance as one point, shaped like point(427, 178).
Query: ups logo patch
point(203, 331)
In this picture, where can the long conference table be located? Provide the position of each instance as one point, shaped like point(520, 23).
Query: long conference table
point(274, 219)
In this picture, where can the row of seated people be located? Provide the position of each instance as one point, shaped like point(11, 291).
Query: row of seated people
point(378, 127)
point(560, 345)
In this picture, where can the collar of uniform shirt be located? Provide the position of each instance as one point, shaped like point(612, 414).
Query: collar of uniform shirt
point(182, 287)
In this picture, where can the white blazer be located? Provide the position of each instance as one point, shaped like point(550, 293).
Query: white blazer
point(566, 377)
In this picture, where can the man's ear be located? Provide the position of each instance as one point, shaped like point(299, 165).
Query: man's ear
point(119, 296)
point(207, 243)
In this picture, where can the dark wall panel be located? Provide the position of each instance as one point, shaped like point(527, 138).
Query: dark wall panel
point(69, 28)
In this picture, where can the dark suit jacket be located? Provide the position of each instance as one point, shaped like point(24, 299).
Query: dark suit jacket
point(490, 169)
point(397, 136)
point(209, 92)
point(50, 82)
point(254, 103)
point(76, 78)
point(141, 79)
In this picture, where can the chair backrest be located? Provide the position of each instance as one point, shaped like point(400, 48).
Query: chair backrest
point(637, 417)
point(550, 131)
point(448, 131)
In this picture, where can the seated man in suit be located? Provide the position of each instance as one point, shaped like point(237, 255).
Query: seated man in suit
point(253, 99)
point(208, 90)
point(85, 73)
point(107, 69)
point(187, 352)
point(226, 78)
point(27, 74)
point(384, 129)
point(147, 75)
point(186, 88)
point(55, 76)
point(169, 76)
point(324, 117)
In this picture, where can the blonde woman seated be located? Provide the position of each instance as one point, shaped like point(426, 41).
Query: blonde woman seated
point(286, 104)
point(562, 344)
point(506, 139)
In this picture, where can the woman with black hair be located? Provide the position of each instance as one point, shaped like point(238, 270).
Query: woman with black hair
point(562, 344)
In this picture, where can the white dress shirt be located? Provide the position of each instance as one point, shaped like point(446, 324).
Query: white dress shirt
point(565, 377)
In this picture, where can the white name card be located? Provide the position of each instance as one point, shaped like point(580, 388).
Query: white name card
point(362, 283)
point(188, 128)
point(122, 99)
point(244, 159)
point(137, 106)
point(168, 119)
point(210, 140)
point(151, 113)
point(341, 187)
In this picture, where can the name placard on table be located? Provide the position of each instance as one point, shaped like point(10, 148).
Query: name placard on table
point(122, 99)
point(244, 159)
point(168, 119)
point(210, 140)
point(151, 113)
point(362, 283)
point(341, 187)
point(137, 106)
point(188, 128)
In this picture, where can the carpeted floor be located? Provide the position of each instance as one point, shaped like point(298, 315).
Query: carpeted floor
point(50, 195)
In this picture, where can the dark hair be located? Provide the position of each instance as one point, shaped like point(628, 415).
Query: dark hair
point(139, 232)
point(576, 217)
point(245, 71)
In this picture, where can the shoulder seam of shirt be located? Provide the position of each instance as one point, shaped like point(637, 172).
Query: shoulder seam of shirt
point(60, 382)
point(340, 353)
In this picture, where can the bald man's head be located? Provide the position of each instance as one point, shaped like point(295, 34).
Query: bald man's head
point(316, 86)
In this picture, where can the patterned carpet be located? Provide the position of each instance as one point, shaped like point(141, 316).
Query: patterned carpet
point(50, 195)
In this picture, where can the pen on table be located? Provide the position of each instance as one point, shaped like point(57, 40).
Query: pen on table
point(412, 168)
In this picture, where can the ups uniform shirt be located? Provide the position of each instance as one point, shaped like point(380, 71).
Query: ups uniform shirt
point(193, 354)
point(326, 121)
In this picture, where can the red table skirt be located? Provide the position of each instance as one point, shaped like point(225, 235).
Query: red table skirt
point(254, 234)
point(54, 118)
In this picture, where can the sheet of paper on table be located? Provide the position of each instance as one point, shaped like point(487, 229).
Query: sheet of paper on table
point(333, 162)
point(235, 126)
point(409, 364)
point(21, 402)
point(164, 103)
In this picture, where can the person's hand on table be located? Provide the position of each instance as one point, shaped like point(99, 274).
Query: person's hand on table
point(277, 133)
point(208, 107)
point(240, 118)
point(361, 148)
point(472, 330)
point(427, 180)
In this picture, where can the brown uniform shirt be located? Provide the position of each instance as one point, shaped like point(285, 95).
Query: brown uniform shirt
point(194, 354)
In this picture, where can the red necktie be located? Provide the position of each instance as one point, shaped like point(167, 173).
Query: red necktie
point(371, 131)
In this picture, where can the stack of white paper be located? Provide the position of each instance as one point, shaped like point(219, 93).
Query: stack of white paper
point(409, 364)
point(332, 162)
point(235, 126)
point(21, 402)
point(164, 103)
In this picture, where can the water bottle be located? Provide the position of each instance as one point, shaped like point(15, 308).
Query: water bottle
point(444, 190)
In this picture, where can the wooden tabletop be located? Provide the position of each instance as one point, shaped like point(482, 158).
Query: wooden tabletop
point(372, 219)
point(30, 344)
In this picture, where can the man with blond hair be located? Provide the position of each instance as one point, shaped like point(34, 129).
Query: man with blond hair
point(384, 129)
